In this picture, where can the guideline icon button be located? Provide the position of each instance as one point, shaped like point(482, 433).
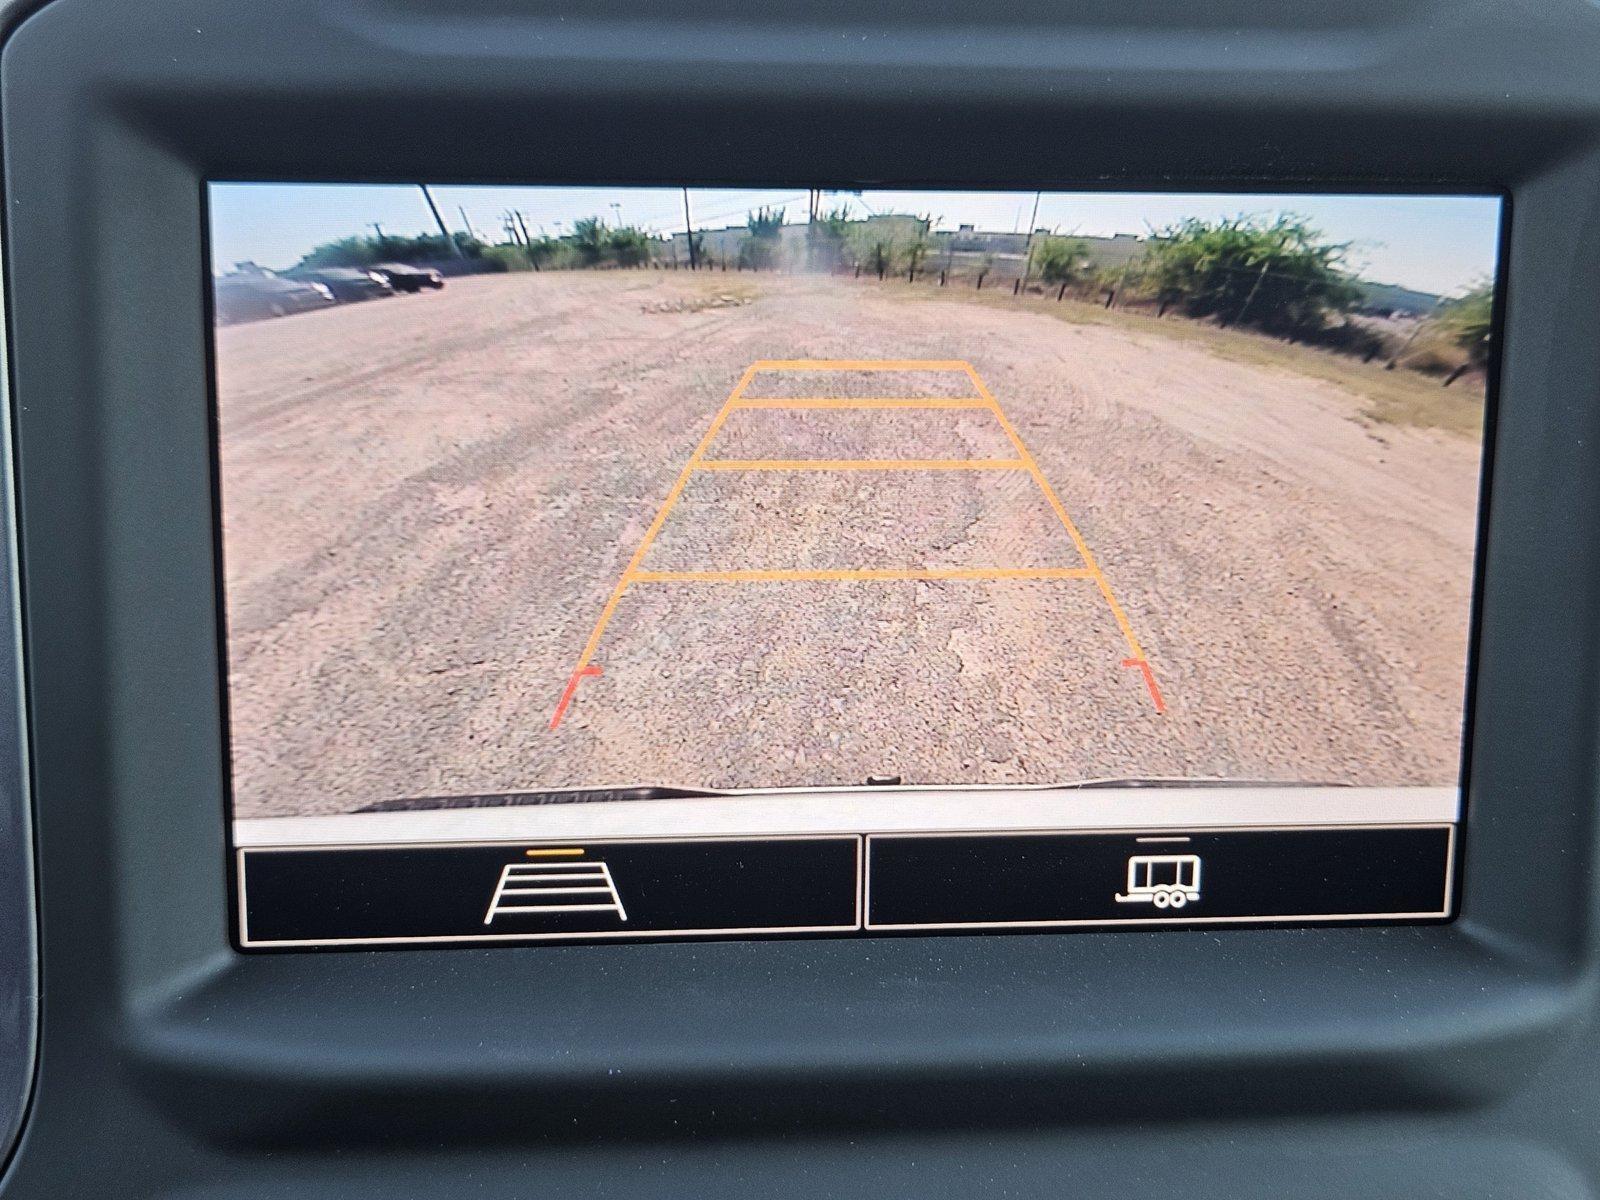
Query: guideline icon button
point(561, 882)
point(1164, 880)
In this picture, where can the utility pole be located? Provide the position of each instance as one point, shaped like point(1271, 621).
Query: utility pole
point(444, 232)
point(462, 209)
point(812, 197)
point(527, 242)
point(688, 224)
point(1033, 222)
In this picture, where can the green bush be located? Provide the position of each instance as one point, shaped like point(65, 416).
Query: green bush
point(1469, 322)
point(629, 247)
point(759, 251)
point(589, 240)
point(829, 245)
point(1277, 275)
point(1060, 260)
point(758, 254)
point(361, 251)
point(507, 258)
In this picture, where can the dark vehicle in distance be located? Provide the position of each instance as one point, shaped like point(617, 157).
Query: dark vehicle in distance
point(405, 277)
point(257, 295)
point(349, 283)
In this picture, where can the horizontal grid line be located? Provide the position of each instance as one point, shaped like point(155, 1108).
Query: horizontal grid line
point(798, 402)
point(928, 574)
point(860, 364)
point(860, 464)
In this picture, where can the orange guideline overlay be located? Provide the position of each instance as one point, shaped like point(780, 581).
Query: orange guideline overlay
point(1024, 461)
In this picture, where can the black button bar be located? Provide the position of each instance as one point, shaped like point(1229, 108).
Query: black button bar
point(732, 887)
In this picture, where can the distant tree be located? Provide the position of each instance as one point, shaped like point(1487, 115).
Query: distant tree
point(828, 239)
point(765, 223)
point(1060, 259)
point(365, 251)
point(1469, 323)
point(590, 240)
point(542, 251)
point(1278, 275)
point(630, 247)
point(344, 252)
point(914, 252)
point(759, 250)
point(914, 249)
point(882, 256)
point(837, 221)
point(1113, 282)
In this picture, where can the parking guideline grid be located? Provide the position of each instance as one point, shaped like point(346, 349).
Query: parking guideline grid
point(1024, 461)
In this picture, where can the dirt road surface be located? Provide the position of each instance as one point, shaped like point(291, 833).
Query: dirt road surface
point(428, 502)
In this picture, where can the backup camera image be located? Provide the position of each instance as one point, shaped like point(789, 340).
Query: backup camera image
point(713, 489)
point(533, 496)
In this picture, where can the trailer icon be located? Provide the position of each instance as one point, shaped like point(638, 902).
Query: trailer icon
point(1165, 880)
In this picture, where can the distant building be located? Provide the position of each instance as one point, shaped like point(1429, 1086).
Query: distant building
point(966, 249)
point(896, 227)
point(722, 245)
point(968, 239)
point(1115, 251)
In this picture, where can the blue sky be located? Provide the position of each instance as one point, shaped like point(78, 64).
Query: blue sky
point(1433, 243)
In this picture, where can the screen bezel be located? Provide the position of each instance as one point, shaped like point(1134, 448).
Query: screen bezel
point(121, 613)
point(1243, 190)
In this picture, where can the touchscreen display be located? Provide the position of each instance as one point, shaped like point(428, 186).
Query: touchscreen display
point(652, 562)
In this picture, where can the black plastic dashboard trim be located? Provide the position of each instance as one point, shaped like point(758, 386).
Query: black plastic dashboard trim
point(196, 1066)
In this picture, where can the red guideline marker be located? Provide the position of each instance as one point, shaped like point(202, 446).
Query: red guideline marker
point(566, 696)
point(1149, 681)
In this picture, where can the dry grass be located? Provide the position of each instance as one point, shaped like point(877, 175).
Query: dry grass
point(1398, 397)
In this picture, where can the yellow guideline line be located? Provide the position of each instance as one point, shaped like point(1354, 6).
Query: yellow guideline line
point(865, 402)
point(697, 461)
point(1072, 530)
point(563, 853)
point(684, 475)
point(853, 574)
point(860, 464)
point(861, 364)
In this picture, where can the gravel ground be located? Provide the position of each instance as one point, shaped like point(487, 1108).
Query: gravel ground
point(428, 500)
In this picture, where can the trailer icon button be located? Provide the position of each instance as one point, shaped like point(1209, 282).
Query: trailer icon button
point(1164, 880)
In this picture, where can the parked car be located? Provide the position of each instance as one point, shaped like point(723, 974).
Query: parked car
point(349, 283)
point(256, 295)
point(404, 277)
